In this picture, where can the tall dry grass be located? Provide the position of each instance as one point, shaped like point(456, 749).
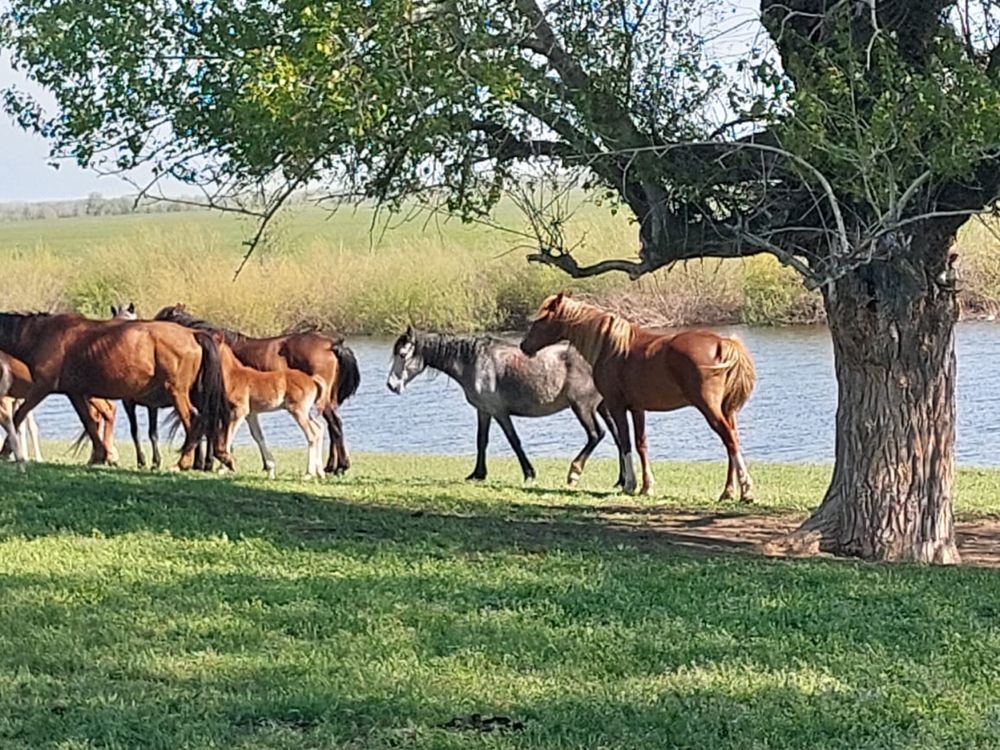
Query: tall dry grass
point(328, 273)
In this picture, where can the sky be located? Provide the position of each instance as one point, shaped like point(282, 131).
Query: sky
point(26, 174)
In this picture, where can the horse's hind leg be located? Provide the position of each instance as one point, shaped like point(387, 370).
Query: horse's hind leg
point(725, 428)
point(133, 428)
point(515, 442)
point(333, 425)
point(265, 453)
point(314, 434)
point(482, 440)
point(588, 418)
point(339, 460)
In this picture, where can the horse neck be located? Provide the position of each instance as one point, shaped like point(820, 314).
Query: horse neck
point(443, 353)
point(19, 334)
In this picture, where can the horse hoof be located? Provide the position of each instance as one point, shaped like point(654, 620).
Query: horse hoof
point(475, 478)
point(747, 498)
point(573, 479)
point(726, 497)
point(272, 474)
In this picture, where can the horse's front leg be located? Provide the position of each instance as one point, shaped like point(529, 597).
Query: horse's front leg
point(620, 419)
point(133, 428)
point(515, 442)
point(153, 417)
point(99, 452)
point(482, 440)
point(588, 418)
point(16, 444)
point(639, 426)
point(35, 440)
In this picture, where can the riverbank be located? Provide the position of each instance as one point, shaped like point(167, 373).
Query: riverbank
point(335, 274)
point(393, 607)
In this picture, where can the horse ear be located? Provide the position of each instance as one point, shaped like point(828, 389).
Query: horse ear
point(409, 331)
point(131, 307)
point(114, 311)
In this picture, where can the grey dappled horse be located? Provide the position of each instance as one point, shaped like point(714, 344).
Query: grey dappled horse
point(503, 382)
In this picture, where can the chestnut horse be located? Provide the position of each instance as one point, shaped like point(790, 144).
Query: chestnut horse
point(147, 362)
point(639, 370)
point(101, 412)
point(312, 353)
point(252, 392)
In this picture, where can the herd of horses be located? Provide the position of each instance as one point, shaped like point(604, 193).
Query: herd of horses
point(575, 355)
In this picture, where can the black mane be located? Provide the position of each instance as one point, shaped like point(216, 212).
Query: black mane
point(12, 328)
point(439, 349)
point(184, 318)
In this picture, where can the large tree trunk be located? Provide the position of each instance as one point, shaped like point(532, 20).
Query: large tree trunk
point(890, 498)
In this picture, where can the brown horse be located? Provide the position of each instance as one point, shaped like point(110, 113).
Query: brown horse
point(101, 412)
point(252, 392)
point(312, 353)
point(638, 370)
point(161, 363)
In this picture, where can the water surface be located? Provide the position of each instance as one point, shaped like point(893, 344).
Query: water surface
point(790, 416)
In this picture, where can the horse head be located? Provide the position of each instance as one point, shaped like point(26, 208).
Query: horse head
point(407, 361)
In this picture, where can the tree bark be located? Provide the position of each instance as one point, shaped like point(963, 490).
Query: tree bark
point(890, 497)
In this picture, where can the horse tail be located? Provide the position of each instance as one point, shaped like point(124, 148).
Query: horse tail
point(349, 376)
point(741, 376)
point(208, 394)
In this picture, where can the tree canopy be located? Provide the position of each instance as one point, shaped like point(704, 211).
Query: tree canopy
point(841, 126)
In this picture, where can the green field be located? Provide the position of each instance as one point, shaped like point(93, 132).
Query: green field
point(166, 611)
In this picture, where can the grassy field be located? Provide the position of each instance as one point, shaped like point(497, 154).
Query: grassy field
point(384, 609)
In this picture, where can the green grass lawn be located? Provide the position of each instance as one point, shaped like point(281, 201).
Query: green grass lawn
point(166, 611)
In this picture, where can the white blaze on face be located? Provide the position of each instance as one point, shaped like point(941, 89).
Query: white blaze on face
point(402, 370)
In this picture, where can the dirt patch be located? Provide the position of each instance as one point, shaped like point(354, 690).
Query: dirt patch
point(978, 541)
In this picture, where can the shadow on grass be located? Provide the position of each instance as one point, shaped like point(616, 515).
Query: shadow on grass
point(369, 625)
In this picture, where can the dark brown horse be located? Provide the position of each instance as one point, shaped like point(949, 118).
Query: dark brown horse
point(150, 363)
point(312, 353)
point(637, 370)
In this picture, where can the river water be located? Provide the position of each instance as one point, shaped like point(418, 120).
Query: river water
point(790, 416)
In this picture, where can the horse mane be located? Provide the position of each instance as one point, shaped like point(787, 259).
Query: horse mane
point(593, 330)
point(175, 314)
point(440, 348)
